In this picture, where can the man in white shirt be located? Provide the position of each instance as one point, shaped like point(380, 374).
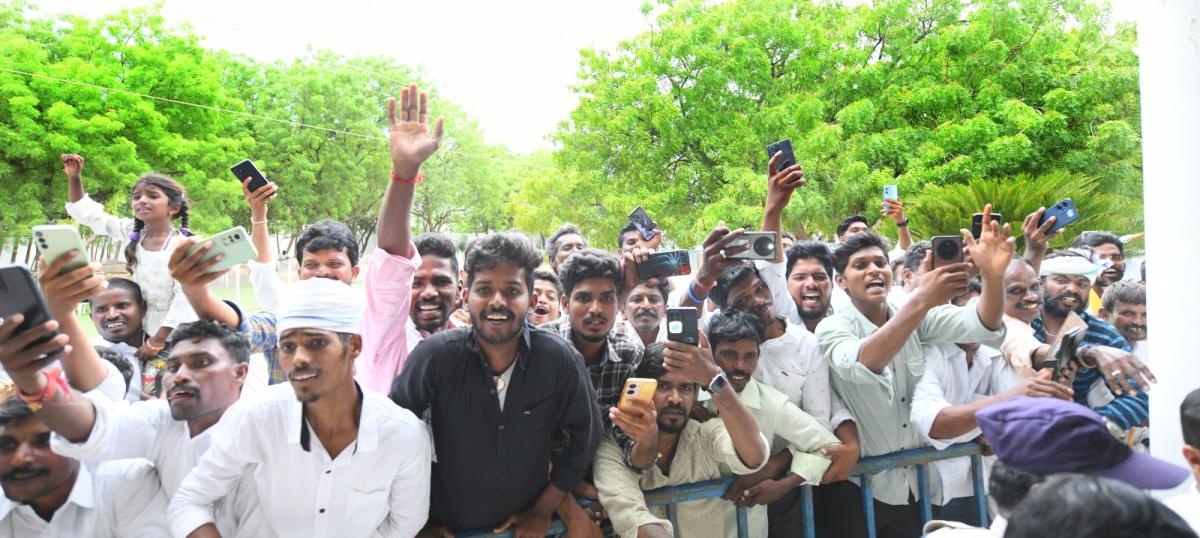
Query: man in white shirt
point(327, 458)
point(49, 495)
point(1124, 306)
point(1187, 505)
point(117, 312)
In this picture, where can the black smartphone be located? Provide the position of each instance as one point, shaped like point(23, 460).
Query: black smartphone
point(246, 169)
point(646, 227)
point(1064, 351)
point(683, 325)
point(788, 158)
point(1064, 213)
point(977, 223)
point(665, 264)
point(19, 294)
point(947, 250)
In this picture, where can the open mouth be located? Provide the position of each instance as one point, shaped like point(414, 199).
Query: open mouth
point(141, 209)
point(541, 310)
point(498, 318)
point(25, 474)
point(1028, 306)
point(739, 377)
point(876, 284)
point(430, 311)
point(115, 324)
point(812, 298)
point(176, 395)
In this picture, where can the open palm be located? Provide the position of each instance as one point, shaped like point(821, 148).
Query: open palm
point(410, 139)
point(994, 248)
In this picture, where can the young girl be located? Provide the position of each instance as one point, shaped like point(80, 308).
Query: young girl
point(156, 201)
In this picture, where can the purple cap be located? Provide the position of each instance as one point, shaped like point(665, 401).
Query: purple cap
point(1046, 436)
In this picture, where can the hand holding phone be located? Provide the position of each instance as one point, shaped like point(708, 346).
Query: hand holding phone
point(665, 264)
point(55, 240)
point(27, 341)
point(234, 244)
point(646, 227)
point(246, 169)
point(788, 159)
point(1064, 213)
point(637, 389)
point(683, 325)
point(947, 250)
point(761, 246)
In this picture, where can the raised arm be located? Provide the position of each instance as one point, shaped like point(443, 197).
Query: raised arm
point(411, 143)
point(780, 186)
point(260, 235)
point(895, 209)
point(73, 166)
point(698, 365)
point(991, 254)
point(194, 278)
point(1037, 238)
point(63, 293)
point(714, 261)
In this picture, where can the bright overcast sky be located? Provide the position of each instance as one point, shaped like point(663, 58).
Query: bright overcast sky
point(509, 63)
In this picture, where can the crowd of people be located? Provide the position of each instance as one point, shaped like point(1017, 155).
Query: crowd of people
point(457, 391)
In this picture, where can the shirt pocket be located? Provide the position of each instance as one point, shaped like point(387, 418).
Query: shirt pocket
point(365, 511)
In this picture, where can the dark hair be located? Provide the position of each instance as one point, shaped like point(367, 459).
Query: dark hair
point(504, 247)
point(14, 409)
point(1123, 292)
point(1095, 239)
point(548, 276)
point(327, 234)
point(628, 227)
point(788, 235)
point(1189, 418)
point(128, 285)
point(652, 366)
point(853, 244)
point(731, 325)
point(176, 195)
point(915, 255)
point(810, 250)
point(432, 244)
point(565, 229)
point(663, 287)
point(1009, 486)
point(120, 361)
point(231, 339)
point(975, 285)
point(849, 221)
point(732, 276)
point(590, 263)
point(1096, 507)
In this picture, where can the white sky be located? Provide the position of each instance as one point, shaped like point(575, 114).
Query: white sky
point(509, 63)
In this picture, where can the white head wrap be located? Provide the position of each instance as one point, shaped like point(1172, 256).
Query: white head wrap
point(1071, 266)
point(320, 303)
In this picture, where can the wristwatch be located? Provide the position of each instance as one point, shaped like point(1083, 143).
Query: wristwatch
point(903, 224)
point(719, 383)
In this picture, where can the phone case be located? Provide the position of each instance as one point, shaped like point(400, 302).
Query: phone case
point(19, 294)
point(947, 250)
point(646, 227)
point(234, 243)
point(788, 158)
point(54, 240)
point(246, 169)
point(1064, 211)
point(977, 223)
point(891, 192)
point(664, 264)
point(762, 246)
point(683, 325)
point(638, 388)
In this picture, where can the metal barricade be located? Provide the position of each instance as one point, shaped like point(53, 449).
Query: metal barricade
point(864, 471)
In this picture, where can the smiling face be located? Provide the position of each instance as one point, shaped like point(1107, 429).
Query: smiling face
point(29, 470)
point(150, 204)
point(318, 362)
point(1129, 319)
point(546, 306)
point(1110, 253)
point(1022, 292)
point(434, 290)
point(498, 301)
point(867, 277)
point(737, 359)
point(810, 287)
point(674, 399)
point(645, 308)
point(592, 308)
point(1063, 294)
point(201, 379)
point(118, 316)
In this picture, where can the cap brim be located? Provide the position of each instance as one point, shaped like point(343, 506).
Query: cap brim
point(1145, 472)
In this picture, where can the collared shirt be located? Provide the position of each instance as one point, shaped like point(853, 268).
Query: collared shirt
point(389, 281)
point(377, 484)
point(774, 275)
point(882, 403)
point(619, 359)
point(793, 364)
point(787, 428)
point(416, 337)
point(147, 430)
point(1125, 411)
point(135, 387)
point(948, 382)
point(122, 498)
point(700, 451)
point(492, 463)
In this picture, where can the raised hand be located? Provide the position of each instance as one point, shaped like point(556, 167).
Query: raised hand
point(410, 139)
point(64, 291)
point(782, 183)
point(191, 270)
point(23, 357)
point(894, 209)
point(72, 164)
point(1037, 238)
point(259, 199)
point(994, 249)
point(938, 286)
point(716, 254)
point(695, 363)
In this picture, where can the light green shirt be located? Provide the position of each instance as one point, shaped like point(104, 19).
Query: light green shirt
point(788, 428)
point(882, 403)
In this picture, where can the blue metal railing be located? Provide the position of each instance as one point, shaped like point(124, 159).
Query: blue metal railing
point(864, 471)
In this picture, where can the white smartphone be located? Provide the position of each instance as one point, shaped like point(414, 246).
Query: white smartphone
point(234, 243)
point(54, 240)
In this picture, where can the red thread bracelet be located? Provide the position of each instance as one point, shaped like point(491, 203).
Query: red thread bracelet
point(414, 181)
point(54, 383)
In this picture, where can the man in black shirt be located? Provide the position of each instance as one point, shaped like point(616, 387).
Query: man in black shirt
point(499, 396)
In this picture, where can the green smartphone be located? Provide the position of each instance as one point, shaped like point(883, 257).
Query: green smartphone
point(54, 240)
point(234, 243)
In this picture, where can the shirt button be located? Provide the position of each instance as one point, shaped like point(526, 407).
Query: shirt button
point(904, 425)
point(327, 471)
point(901, 399)
point(501, 427)
point(321, 510)
point(493, 391)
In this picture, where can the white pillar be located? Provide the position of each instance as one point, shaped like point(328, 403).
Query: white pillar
point(1169, 54)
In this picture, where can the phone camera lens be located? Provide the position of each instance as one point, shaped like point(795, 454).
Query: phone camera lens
point(764, 246)
point(947, 250)
point(39, 234)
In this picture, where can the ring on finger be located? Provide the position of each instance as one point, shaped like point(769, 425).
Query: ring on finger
point(1115, 373)
point(723, 255)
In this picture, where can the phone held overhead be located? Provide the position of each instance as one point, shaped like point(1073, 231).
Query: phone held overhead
point(977, 223)
point(1064, 213)
point(788, 159)
point(947, 250)
point(665, 264)
point(234, 243)
point(646, 227)
point(246, 169)
point(55, 240)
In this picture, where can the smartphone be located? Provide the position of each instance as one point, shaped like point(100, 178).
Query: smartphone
point(646, 227)
point(54, 240)
point(246, 169)
point(947, 250)
point(664, 264)
point(683, 325)
point(977, 223)
point(1064, 351)
point(891, 192)
point(1064, 213)
point(762, 246)
point(788, 158)
point(234, 243)
point(19, 294)
point(637, 388)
